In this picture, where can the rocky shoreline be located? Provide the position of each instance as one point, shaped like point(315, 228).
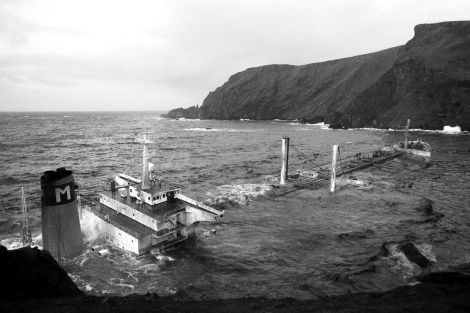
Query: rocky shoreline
point(33, 282)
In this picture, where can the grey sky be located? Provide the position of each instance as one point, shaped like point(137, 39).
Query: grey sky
point(157, 55)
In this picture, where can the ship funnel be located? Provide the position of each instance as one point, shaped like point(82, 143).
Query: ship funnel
point(61, 232)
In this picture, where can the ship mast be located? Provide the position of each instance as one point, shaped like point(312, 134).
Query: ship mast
point(26, 233)
point(406, 134)
point(145, 166)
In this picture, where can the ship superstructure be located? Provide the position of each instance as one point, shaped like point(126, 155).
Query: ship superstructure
point(141, 214)
point(415, 148)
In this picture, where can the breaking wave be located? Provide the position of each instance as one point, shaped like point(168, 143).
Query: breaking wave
point(91, 226)
point(452, 130)
point(449, 130)
point(182, 119)
point(238, 194)
point(228, 130)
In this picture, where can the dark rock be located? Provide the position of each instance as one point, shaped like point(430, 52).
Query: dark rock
point(414, 255)
point(445, 278)
point(425, 206)
point(193, 112)
point(426, 80)
point(355, 235)
point(32, 273)
point(383, 252)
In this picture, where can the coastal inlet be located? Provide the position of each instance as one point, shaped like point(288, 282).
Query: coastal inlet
point(304, 245)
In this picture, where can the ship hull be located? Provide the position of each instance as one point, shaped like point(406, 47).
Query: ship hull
point(139, 228)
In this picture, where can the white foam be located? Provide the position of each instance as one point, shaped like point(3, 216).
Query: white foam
point(92, 227)
point(238, 194)
point(446, 130)
point(85, 258)
point(15, 242)
point(426, 250)
point(12, 243)
point(162, 259)
point(342, 181)
point(121, 283)
point(401, 264)
point(202, 129)
point(322, 125)
point(452, 130)
point(187, 119)
point(103, 252)
point(228, 130)
point(374, 129)
point(37, 240)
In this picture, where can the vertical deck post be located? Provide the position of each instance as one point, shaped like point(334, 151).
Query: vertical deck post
point(333, 169)
point(406, 134)
point(285, 160)
point(145, 167)
point(79, 204)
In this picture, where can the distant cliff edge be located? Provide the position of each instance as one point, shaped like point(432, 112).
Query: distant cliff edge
point(426, 80)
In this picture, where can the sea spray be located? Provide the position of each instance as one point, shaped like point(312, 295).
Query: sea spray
point(400, 264)
point(92, 227)
point(237, 194)
point(452, 130)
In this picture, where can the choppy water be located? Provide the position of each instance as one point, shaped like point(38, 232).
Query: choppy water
point(305, 244)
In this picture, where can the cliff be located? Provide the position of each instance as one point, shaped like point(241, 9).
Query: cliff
point(426, 80)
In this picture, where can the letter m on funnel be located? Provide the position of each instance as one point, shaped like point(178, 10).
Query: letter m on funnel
point(59, 191)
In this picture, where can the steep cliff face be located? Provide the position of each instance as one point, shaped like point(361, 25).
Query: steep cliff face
point(427, 80)
point(290, 92)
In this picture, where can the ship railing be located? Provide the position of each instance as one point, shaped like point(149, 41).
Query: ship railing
point(166, 231)
point(173, 212)
point(167, 243)
point(199, 205)
point(105, 217)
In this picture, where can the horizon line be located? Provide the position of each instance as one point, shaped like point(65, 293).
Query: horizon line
point(85, 111)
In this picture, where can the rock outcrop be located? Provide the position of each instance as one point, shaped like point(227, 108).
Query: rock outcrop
point(32, 273)
point(413, 254)
point(193, 112)
point(426, 80)
point(31, 281)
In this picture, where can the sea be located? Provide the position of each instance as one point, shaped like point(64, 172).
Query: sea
point(305, 244)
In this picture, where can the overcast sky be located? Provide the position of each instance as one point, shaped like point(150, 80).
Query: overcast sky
point(58, 55)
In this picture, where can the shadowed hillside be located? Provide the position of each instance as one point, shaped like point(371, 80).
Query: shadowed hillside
point(427, 80)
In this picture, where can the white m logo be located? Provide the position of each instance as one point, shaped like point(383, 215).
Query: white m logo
point(59, 192)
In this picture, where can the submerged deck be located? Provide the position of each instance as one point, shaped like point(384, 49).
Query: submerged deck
point(351, 164)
